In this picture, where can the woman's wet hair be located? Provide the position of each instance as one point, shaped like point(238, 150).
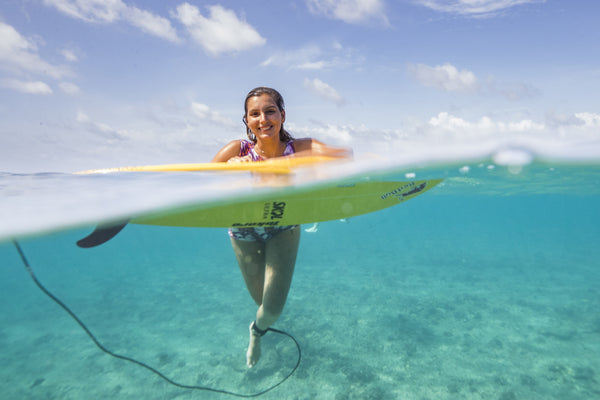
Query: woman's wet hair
point(284, 135)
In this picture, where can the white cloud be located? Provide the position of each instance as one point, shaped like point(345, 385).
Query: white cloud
point(323, 90)
point(445, 77)
point(515, 91)
point(69, 55)
point(100, 129)
point(349, 11)
point(447, 124)
point(90, 10)
point(448, 78)
point(109, 11)
point(589, 119)
point(150, 23)
point(17, 54)
point(314, 58)
point(340, 135)
point(69, 88)
point(221, 32)
point(29, 87)
point(474, 8)
point(306, 57)
point(205, 113)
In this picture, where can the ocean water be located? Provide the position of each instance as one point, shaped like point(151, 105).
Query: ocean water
point(485, 287)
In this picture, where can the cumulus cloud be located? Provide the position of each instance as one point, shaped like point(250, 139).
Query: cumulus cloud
point(474, 8)
point(315, 58)
point(324, 91)
point(446, 123)
point(449, 78)
point(151, 24)
point(349, 11)
point(515, 91)
point(341, 135)
point(18, 54)
point(447, 136)
point(445, 77)
point(69, 55)
point(109, 11)
point(99, 128)
point(306, 57)
point(90, 10)
point(29, 87)
point(589, 119)
point(205, 113)
point(221, 32)
point(69, 88)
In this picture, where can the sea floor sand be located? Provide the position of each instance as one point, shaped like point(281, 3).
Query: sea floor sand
point(432, 315)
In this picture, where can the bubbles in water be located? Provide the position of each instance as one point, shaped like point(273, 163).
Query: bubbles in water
point(515, 157)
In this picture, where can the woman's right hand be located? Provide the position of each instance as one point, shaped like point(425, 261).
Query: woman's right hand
point(238, 159)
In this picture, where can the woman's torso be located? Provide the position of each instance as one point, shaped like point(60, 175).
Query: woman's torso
point(247, 149)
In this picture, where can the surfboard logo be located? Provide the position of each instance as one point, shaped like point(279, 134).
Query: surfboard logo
point(255, 224)
point(277, 210)
point(416, 189)
point(273, 210)
point(401, 193)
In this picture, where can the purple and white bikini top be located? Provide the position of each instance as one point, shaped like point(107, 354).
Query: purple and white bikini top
point(247, 148)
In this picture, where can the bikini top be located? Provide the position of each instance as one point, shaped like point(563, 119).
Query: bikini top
point(248, 149)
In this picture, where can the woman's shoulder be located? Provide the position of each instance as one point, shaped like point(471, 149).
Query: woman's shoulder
point(231, 149)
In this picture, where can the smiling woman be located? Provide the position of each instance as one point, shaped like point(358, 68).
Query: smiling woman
point(267, 255)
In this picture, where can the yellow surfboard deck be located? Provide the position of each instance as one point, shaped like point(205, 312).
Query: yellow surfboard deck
point(312, 205)
point(278, 165)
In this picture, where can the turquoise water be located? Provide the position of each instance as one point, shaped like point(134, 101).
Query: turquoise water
point(485, 287)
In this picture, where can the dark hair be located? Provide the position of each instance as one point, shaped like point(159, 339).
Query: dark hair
point(284, 135)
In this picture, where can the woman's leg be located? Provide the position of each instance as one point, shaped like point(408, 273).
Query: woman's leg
point(267, 269)
point(251, 259)
point(280, 259)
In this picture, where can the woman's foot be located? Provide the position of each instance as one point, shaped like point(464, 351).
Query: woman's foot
point(253, 353)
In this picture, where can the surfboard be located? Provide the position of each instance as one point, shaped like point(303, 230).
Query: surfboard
point(314, 205)
point(278, 165)
point(279, 208)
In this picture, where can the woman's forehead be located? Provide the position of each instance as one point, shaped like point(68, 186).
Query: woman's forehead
point(264, 100)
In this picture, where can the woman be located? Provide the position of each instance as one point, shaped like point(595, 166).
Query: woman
point(267, 255)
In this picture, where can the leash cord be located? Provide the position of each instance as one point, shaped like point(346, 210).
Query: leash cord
point(141, 364)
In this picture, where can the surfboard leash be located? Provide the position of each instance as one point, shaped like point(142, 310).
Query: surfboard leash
point(144, 365)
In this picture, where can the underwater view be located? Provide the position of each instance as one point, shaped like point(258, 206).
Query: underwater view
point(485, 287)
point(450, 252)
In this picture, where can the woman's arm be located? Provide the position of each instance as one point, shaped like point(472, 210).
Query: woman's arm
point(312, 147)
point(231, 150)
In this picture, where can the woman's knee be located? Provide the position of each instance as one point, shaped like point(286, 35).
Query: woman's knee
point(272, 311)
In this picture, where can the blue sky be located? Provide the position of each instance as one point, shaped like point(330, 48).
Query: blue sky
point(100, 83)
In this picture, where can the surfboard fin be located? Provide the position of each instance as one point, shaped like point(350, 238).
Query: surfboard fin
point(102, 234)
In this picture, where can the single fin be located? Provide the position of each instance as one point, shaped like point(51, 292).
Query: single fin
point(102, 234)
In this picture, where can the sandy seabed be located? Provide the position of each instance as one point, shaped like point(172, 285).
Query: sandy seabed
point(469, 310)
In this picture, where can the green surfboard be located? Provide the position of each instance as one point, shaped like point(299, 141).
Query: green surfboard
point(312, 205)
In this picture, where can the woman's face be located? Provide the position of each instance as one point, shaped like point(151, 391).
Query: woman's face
point(264, 118)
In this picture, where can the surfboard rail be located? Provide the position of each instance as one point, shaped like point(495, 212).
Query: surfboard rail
point(278, 165)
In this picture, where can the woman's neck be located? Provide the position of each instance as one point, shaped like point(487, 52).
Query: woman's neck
point(270, 149)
